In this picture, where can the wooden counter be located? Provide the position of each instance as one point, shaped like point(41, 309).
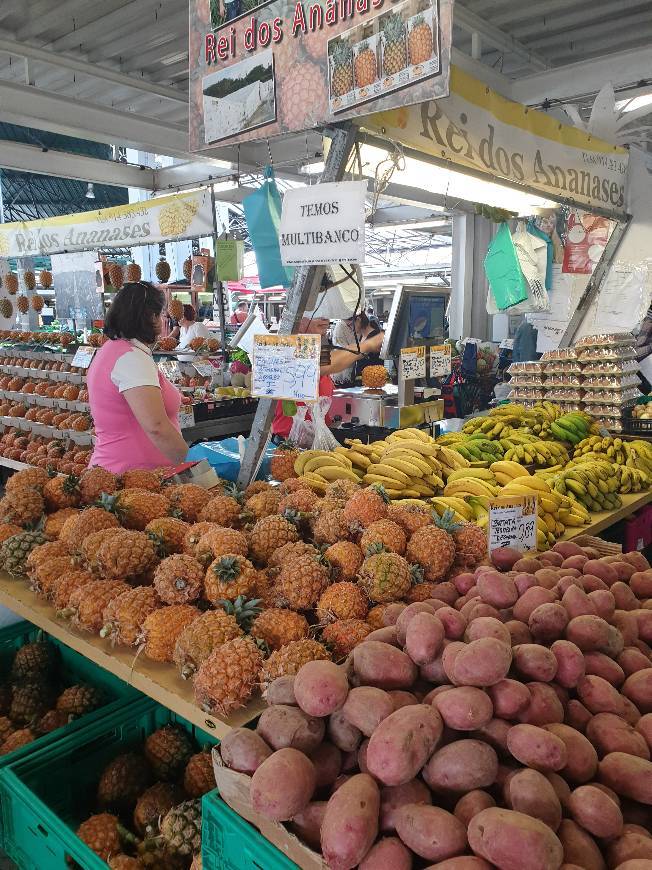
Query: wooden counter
point(631, 502)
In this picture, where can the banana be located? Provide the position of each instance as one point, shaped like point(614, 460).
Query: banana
point(455, 504)
point(479, 473)
point(426, 449)
point(336, 472)
point(533, 482)
point(434, 480)
point(304, 457)
point(410, 434)
point(359, 459)
point(387, 482)
point(511, 469)
point(470, 486)
point(548, 502)
point(421, 487)
point(316, 482)
point(358, 446)
point(407, 467)
point(410, 456)
point(389, 471)
point(327, 459)
point(453, 458)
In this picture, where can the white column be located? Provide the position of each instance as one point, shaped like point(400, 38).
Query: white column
point(461, 276)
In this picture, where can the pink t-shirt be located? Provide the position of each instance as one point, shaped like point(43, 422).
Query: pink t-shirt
point(120, 442)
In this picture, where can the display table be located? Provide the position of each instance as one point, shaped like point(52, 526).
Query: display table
point(631, 502)
point(160, 681)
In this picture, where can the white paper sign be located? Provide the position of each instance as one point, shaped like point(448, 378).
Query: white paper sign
point(440, 360)
point(513, 523)
point(186, 416)
point(286, 367)
point(83, 357)
point(413, 363)
point(323, 224)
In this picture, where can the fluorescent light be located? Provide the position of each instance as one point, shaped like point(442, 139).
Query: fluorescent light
point(314, 167)
point(411, 225)
point(90, 191)
point(454, 184)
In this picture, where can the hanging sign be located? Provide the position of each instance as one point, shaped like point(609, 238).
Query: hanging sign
point(165, 218)
point(259, 69)
point(83, 357)
point(440, 360)
point(286, 367)
point(229, 256)
point(323, 224)
point(413, 363)
point(513, 523)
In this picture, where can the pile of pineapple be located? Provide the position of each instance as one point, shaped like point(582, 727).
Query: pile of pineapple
point(148, 802)
point(232, 588)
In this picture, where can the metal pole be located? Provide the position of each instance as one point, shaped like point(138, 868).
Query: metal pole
point(343, 139)
point(217, 289)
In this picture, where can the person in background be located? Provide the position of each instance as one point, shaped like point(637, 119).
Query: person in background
point(189, 328)
point(240, 314)
point(135, 408)
point(344, 335)
point(341, 359)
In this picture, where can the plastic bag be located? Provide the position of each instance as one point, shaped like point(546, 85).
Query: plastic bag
point(508, 285)
point(262, 210)
point(302, 432)
point(324, 438)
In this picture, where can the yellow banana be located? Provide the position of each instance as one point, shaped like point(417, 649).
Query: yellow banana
point(425, 449)
point(358, 446)
point(434, 480)
point(387, 482)
point(470, 486)
point(410, 434)
point(336, 472)
point(458, 505)
point(452, 458)
point(359, 459)
point(421, 487)
point(479, 473)
point(304, 457)
point(329, 459)
point(533, 482)
point(316, 482)
point(511, 469)
point(404, 465)
point(408, 456)
point(389, 471)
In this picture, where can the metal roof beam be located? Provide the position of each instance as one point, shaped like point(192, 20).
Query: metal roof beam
point(570, 36)
point(472, 23)
point(109, 22)
point(565, 17)
point(487, 74)
point(142, 37)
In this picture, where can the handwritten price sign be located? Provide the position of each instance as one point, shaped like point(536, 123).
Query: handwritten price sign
point(440, 360)
point(286, 367)
point(513, 523)
point(413, 363)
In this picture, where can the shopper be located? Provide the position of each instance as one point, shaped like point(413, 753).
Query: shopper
point(240, 314)
point(133, 405)
point(189, 328)
point(347, 333)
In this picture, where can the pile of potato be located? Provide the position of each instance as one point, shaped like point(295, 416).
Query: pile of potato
point(507, 723)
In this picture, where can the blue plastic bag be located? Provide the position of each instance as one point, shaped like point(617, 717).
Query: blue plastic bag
point(262, 210)
point(224, 458)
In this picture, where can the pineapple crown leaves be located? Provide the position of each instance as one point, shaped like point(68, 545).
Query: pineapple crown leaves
point(227, 568)
point(382, 492)
point(111, 504)
point(416, 574)
point(159, 544)
point(234, 492)
point(293, 516)
point(287, 444)
point(245, 610)
point(446, 521)
point(393, 27)
point(375, 548)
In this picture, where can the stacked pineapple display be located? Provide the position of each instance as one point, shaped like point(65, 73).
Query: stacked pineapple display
point(232, 589)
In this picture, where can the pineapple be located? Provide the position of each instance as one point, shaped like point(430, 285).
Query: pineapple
point(268, 534)
point(8, 530)
point(125, 554)
point(45, 552)
point(227, 678)
point(330, 527)
point(22, 506)
point(365, 66)
point(292, 484)
point(179, 579)
point(55, 522)
point(141, 478)
point(17, 739)
point(341, 68)
point(263, 504)
point(282, 461)
point(153, 804)
point(365, 507)
point(23, 304)
point(168, 534)
point(383, 535)
point(168, 750)
point(79, 700)
point(420, 41)
point(289, 659)
point(94, 482)
point(34, 477)
point(470, 540)
point(343, 635)
point(199, 776)
point(292, 551)
point(346, 559)
point(277, 627)
point(198, 640)
point(11, 283)
point(223, 510)
point(61, 492)
point(230, 577)
point(341, 491)
point(6, 308)
point(45, 278)
point(86, 605)
point(51, 721)
point(122, 781)
point(187, 500)
point(300, 583)
point(80, 525)
point(47, 573)
point(37, 302)
point(15, 550)
point(116, 276)
point(125, 614)
point(220, 542)
point(409, 516)
point(138, 507)
point(258, 486)
point(376, 616)
point(175, 307)
point(394, 49)
point(302, 501)
point(7, 728)
point(194, 535)
point(181, 828)
point(33, 661)
point(89, 550)
point(187, 268)
point(102, 834)
point(162, 627)
point(133, 273)
point(422, 592)
point(297, 113)
point(385, 577)
point(434, 550)
point(62, 589)
point(163, 271)
point(125, 862)
point(30, 279)
point(374, 377)
point(30, 701)
point(342, 601)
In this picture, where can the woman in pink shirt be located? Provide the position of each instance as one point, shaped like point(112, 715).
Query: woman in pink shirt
point(133, 405)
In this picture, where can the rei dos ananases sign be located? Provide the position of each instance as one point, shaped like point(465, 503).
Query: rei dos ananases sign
point(259, 69)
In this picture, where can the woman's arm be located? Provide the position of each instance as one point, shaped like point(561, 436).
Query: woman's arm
point(342, 359)
point(149, 410)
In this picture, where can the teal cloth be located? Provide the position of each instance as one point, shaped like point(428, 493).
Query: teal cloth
point(508, 284)
point(262, 210)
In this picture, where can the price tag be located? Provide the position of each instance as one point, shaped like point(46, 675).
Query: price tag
point(286, 367)
point(204, 369)
point(413, 363)
point(513, 523)
point(83, 357)
point(440, 360)
point(186, 416)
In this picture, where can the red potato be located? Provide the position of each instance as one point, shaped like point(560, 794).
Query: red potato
point(599, 696)
point(576, 602)
point(243, 750)
point(636, 559)
point(281, 691)
point(495, 734)
point(644, 727)
point(636, 864)
point(524, 581)
point(461, 766)
point(434, 672)
point(482, 663)
point(602, 570)
point(453, 621)
point(527, 565)
point(535, 662)
point(350, 824)
point(568, 548)
point(509, 697)
point(383, 666)
point(611, 794)
point(497, 589)
point(582, 759)
point(624, 570)
point(627, 624)
point(327, 760)
point(518, 632)
point(342, 733)
point(641, 584)
point(387, 854)
point(629, 847)
point(597, 664)
point(560, 786)
point(478, 609)
point(387, 634)
point(448, 656)
point(283, 727)
point(556, 560)
point(529, 792)
point(590, 583)
point(589, 633)
point(282, 785)
point(570, 663)
point(505, 558)
point(392, 611)
point(465, 708)
point(366, 707)
point(632, 659)
point(471, 804)
point(511, 840)
point(593, 810)
point(604, 601)
point(430, 832)
point(548, 577)
point(463, 582)
point(548, 622)
point(307, 824)
point(628, 776)
point(537, 748)
point(578, 561)
point(638, 688)
point(487, 626)
point(362, 756)
point(401, 698)
point(544, 706)
point(580, 848)
point(321, 688)
point(402, 743)
point(530, 600)
point(445, 592)
point(463, 862)
point(624, 598)
point(577, 716)
point(644, 621)
point(424, 638)
point(393, 797)
point(407, 615)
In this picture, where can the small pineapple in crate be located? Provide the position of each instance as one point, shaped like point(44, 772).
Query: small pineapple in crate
point(163, 271)
point(282, 461)
point(187, 268)
point(168, 750)
point(133, 273)
point(227, 678)
point(374, 377)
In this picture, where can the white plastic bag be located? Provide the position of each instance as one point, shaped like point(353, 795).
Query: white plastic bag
point(324, 438)
point(302, 431)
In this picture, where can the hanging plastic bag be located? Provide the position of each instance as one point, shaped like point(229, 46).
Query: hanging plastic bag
point(262, 210)
point(302, 432)
point(504, 274)
point(324, 438)
point(532, 253)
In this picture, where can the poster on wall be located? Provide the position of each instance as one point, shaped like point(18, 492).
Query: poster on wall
point(74, 288)
point(259, 69)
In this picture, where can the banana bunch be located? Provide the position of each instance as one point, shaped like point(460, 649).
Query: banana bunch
point(633, 454)
point(554, 510)
point(477, 448)
point(631, 479)
point(530, 450)
point(592, 482)
point(466, 482)
point(506, 470)
point(321, 467)
point(572, 427)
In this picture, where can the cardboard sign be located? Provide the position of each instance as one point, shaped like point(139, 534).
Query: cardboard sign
point(286, 367)
point(83, 357)
point(513, 523)
point(204, 369)
point(229, 255)
point(413, 363)
point(440, 360)
point(323, 224)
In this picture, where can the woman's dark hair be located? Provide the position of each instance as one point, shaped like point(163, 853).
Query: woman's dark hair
point(134, 311)
point(189, 313)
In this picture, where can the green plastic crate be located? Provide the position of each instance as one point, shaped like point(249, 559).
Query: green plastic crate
point(229, 842)
point(47, 794)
